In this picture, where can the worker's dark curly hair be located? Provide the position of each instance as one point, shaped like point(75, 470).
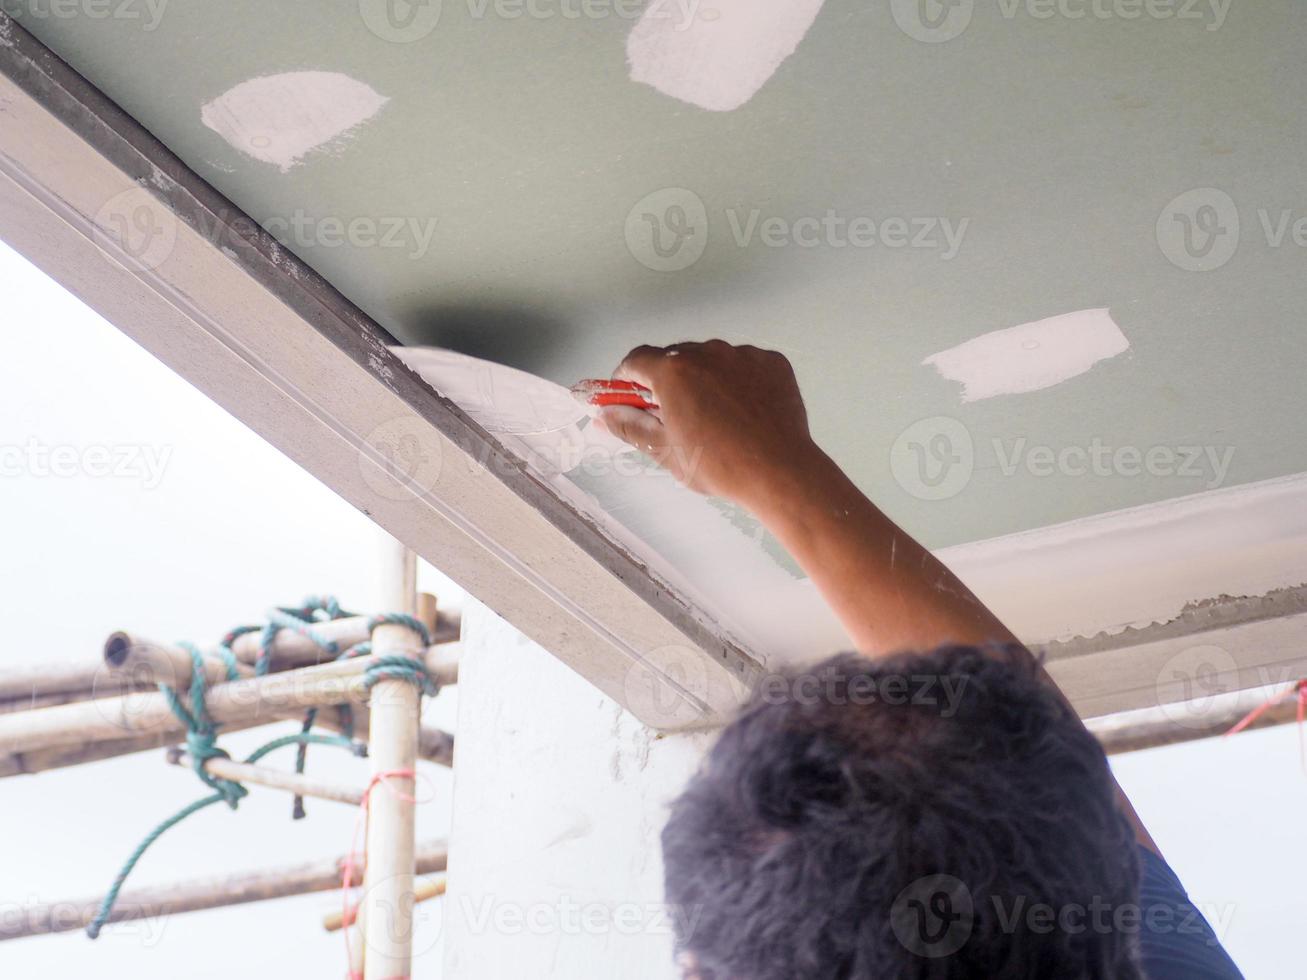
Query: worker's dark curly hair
point(850, 825)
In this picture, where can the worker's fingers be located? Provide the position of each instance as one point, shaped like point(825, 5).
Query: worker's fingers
point(634, 426)
point(644, 365)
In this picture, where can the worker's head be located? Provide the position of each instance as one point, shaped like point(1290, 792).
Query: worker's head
point(931, 815)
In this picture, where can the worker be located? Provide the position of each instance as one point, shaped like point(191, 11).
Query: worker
point(929, 807)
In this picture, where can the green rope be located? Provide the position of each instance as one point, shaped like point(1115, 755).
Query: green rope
point(111, 897)
point(397, 667)
point(400, 668)
point(201, 732)
point(401, 619)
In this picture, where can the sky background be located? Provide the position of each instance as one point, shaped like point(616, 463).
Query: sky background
point(221, 526)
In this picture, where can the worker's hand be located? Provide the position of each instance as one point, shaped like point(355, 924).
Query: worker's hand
point(730, 419)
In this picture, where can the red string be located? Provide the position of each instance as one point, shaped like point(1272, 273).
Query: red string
point(347, 875)
point(1299, 689)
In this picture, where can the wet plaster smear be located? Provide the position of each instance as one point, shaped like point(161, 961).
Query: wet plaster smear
point(716, 54)
point(1032, 356)
point(281, 119)
point(709, 550)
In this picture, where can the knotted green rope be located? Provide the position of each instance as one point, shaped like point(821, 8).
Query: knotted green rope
point(201, 735)
point(201, 732)
point(400, 666)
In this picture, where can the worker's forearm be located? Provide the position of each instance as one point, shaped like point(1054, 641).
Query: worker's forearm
point(889, 592)
point(737, 414)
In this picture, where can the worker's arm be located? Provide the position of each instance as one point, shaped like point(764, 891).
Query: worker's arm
point(731, 423)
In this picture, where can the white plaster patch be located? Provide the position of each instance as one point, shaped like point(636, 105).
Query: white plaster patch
point(716, 54)
point(280, 119)
point(1032, 356)
point(503, 400)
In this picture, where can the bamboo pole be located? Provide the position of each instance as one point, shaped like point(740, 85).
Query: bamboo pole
point(42, 685)
point(442, 662)
point(434, 744)
point(291, 649)
point(255, 699)
point(427, 612)
point(62, 756)
point(356, 945)
point(423, 891)
point(199, 894)
point(393, 745)
point(141, 660)
point(291, 782)
point(34, 701)
point(37, 679)
point(129, 655)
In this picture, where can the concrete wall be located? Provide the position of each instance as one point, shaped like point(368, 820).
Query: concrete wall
point(559, 799)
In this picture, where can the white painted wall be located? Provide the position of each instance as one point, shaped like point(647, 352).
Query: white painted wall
point(559, 799)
